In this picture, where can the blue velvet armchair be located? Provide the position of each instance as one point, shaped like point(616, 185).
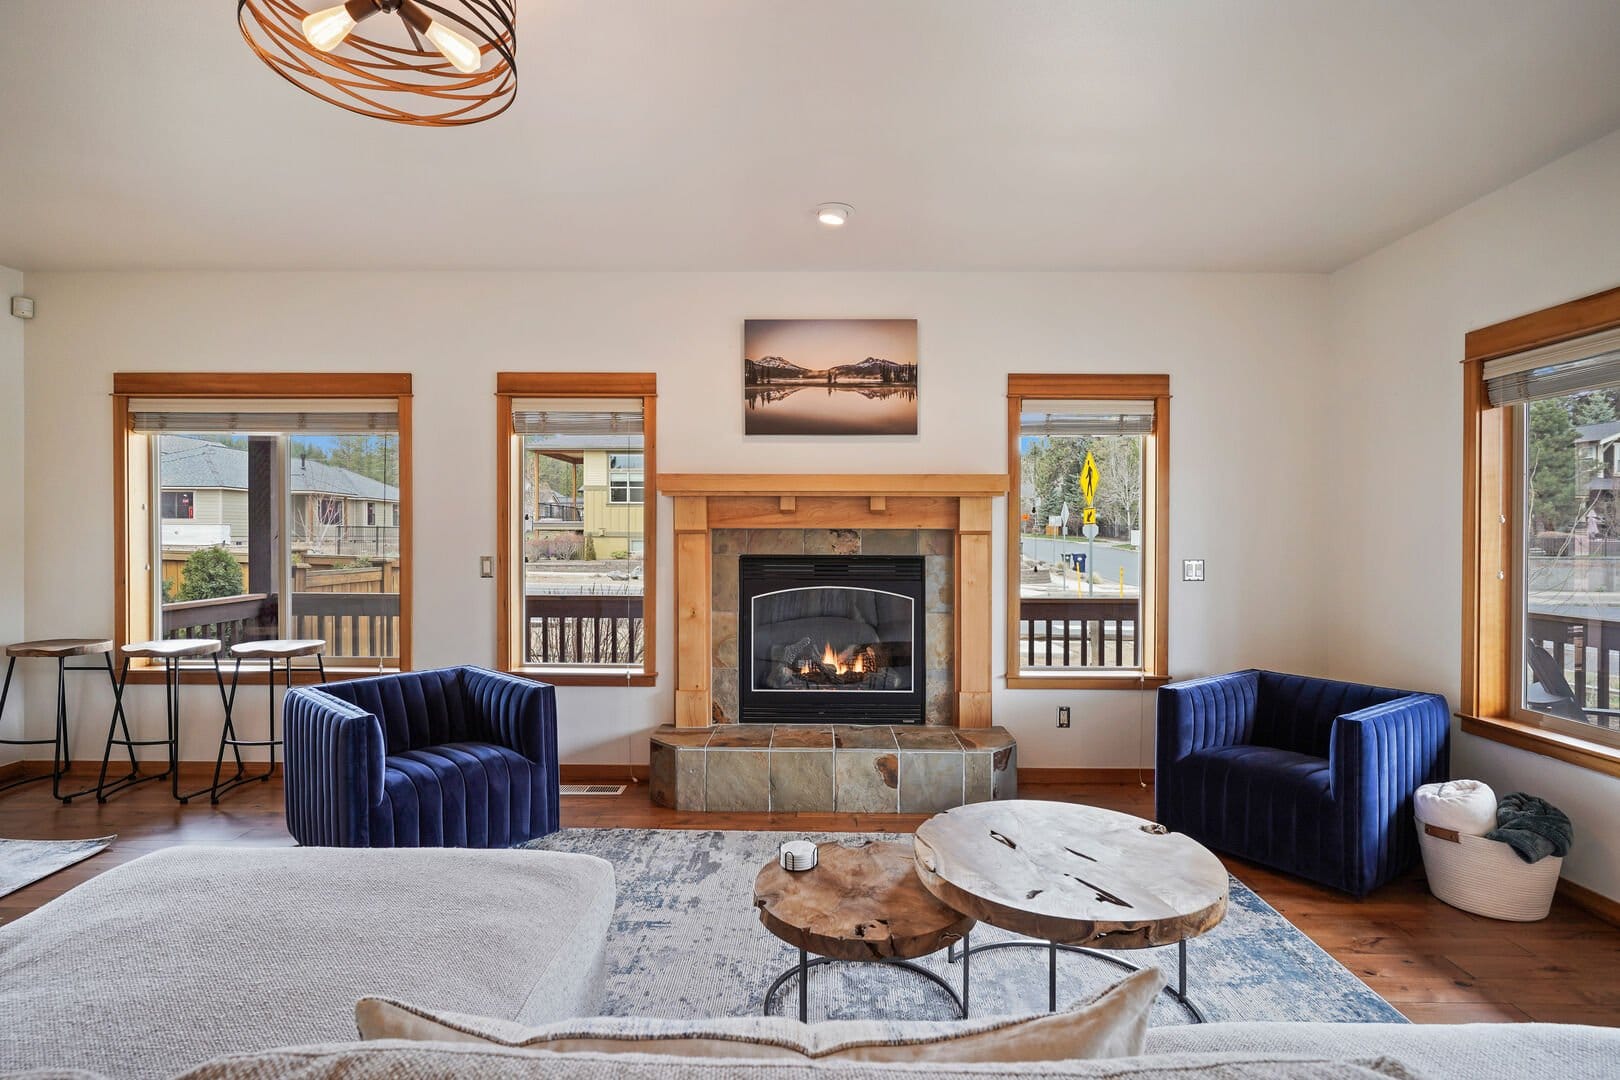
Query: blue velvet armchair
point(457, 757)
point(1310, 776)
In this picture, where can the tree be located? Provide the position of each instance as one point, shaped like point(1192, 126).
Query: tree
point(1594, 408)
point(209, 573)
point(1051, 469)
point(1554, 468)
point(1119, 483)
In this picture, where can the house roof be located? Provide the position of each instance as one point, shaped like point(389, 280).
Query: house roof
point(197, 463)
point(1598, 433)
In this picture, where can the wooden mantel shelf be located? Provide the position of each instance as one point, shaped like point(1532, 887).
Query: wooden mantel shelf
point(951, 485)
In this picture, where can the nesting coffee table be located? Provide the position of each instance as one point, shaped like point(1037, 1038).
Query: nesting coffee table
point(1078, 878)
point(862, 902)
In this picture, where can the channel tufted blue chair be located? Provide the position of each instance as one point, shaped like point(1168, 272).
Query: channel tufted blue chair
point(457, 757)
point(1311, 776)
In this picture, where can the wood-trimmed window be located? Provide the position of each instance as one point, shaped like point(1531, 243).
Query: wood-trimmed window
point(262, 456)
point(576, 555)
point(1541, 532)
point(1087, 612)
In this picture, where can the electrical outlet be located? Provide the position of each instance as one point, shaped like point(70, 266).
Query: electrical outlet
point(486, 566)
point(1063, 716)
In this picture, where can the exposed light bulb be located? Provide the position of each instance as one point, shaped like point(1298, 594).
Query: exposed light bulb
point(462, 54)
point(327, 29)
point(833, 214)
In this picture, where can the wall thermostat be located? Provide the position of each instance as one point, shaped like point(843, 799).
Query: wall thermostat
point(22, 307)
point(1192, 569)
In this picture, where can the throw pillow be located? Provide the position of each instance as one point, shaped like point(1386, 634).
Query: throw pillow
point(1112, 1025)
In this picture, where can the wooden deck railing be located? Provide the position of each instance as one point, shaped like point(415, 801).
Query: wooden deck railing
point(584, 629)
point(1588, 651)
point(1079, 631)
point(354, 625)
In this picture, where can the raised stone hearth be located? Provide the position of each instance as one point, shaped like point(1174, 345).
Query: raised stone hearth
point(858, 768)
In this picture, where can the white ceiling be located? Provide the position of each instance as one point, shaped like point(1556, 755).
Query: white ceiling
point(698, 134)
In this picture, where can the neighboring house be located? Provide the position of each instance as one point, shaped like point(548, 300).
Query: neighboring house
point(205, 498)
point(609, 502)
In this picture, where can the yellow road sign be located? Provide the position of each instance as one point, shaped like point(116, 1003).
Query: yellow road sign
point(1088, 482)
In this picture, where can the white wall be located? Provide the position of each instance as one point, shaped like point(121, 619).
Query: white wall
point(1244, 353)
point(1394, 410)
point(11, 499)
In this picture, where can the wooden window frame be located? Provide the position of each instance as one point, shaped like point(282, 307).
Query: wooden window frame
point(1155, 529)
point(510, 385)
point(1493, 538)
point(131, 472)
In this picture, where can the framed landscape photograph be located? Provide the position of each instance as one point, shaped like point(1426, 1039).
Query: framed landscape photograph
point(830, 376)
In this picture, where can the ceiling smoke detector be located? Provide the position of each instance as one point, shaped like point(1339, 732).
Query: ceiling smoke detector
point(834, 214)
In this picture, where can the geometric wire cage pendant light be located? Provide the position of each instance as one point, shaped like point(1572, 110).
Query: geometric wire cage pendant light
point(432, 63)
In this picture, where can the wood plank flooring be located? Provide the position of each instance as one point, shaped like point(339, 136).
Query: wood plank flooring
point(1434, 963)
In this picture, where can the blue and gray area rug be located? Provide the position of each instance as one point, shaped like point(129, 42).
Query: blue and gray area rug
point(687, 942)
point(23, 862)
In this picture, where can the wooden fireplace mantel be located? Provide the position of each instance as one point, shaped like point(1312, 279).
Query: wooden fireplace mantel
point(960, 502)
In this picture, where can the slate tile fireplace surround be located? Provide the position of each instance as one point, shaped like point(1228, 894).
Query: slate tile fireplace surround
point(832, 644)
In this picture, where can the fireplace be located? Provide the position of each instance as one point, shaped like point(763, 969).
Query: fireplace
point(831, 639)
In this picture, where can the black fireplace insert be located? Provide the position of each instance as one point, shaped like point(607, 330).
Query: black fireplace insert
point(831, 639)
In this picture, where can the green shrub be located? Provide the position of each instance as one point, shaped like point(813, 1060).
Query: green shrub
point(209, 573)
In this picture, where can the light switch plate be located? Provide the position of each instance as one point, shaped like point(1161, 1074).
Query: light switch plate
point(1192, 569)
point(486, 566)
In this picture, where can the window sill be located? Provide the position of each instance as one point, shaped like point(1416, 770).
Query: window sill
point(1072, 681)
point(1539, 740)
point(254, 675)
point(564, 677)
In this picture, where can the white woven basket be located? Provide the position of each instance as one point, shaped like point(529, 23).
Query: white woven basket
point(1485, 876)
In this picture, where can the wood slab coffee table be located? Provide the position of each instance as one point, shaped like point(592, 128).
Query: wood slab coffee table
point(1073, 876)
point(861, 902)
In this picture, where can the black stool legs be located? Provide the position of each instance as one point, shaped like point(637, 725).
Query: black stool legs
point(61, 752)
point(227, 735)
point(171, 691)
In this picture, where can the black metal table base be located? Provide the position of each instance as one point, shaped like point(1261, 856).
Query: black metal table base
point(1176, 993)
point(802, 970)
point(61, 756)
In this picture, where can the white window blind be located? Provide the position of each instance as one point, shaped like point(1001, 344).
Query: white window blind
point(269, 416)
point(583, 423)
point(1078, 417)
point(1570, 367)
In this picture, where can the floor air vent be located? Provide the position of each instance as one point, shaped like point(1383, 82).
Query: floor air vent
point(593, 789)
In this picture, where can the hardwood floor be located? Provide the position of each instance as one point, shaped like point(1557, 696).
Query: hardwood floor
point(1434, 963)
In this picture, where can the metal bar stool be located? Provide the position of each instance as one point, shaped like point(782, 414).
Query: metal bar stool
point(171, 653)
point(58, 649)
point(284, 650)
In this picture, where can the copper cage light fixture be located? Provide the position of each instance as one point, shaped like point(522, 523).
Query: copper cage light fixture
point(431, 64)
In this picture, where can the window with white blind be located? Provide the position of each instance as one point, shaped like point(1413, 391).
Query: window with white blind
point(1087, 514)
point(268, 523)
point(577, 482)
point(1563, 483)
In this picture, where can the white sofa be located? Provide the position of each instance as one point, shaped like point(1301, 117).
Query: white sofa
point(231, 956)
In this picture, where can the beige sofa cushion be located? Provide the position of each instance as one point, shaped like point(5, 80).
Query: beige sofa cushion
point(395, 1060)
point(1113, 1025)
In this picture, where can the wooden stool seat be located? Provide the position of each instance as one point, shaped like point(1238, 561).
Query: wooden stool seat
point(178, 649)
point(56, 648)
point(278, 648)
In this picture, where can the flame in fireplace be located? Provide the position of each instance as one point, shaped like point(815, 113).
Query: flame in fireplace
point(834, 662)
